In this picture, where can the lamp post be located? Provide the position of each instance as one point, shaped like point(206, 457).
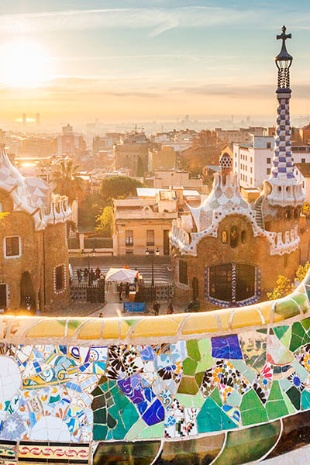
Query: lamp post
point(89, 255)
point(152, 253)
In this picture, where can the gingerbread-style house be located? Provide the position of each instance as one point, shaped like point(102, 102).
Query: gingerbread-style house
point(34, 257)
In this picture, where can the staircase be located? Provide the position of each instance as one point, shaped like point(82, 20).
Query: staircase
point(258, 209)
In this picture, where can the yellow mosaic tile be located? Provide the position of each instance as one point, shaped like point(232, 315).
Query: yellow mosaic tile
point(125, 327)
point(156, 326)
point(110, 328)
point(225, 317)
point(90, 330)
point(49, 327)
point(73, 325)
point(242, 318)
point(199, 323)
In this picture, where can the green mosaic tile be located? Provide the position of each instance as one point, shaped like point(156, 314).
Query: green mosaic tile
point(246, 371)
point(294, 396)
point(100, 416)
point(129, 415)
point(217, 397)
point(301, 371)
point(235, 399)
point(305, 400)
point(299, 337)
point(252, 410)
point(287, 308)
point(189, 366)
point(275, 392)
point(205, 363)
point(290, 408)
point(199, 378)
point(284, 384)
point(99, 432)
point(196, 401)
point(212, 418)
point(193, 349)
point(280, 331)
point(306, 324)
point(301, 300)
point(276, 409)
point(151, 432)
point(256, 443)
point(188, 385)
point(204, 346)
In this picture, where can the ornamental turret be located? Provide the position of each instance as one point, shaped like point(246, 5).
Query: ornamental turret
point(282, 189)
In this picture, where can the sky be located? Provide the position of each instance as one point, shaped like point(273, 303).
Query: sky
point(82, 60)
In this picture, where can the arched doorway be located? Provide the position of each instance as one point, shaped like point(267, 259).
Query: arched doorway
point(232, 283)
point(27, 294)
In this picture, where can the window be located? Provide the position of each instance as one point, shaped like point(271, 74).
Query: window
point(243, 236)
point(224, 237)
point(303, 160)
point(268, 145)
point(183, 272)
point(269, 160)
point(12, 246)
point(129, 237)
point(150, 237)
point(233, 237)
point(59, 278)
point(268, 170)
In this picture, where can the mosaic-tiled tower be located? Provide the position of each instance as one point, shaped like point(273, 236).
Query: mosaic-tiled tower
point(284, 190)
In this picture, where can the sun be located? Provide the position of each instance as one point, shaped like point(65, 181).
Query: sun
point(24, 63)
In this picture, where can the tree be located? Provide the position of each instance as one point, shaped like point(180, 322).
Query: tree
point(118, 187)
point(67, 181)
point(104, 221)
point(302, 270)
point(282, 288)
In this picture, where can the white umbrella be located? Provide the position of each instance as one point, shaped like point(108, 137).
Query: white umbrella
point(125, 275)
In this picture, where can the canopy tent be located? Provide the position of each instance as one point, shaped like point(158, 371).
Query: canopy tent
point(125, 275)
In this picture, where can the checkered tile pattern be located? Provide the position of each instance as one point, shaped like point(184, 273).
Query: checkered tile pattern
point(282, 160)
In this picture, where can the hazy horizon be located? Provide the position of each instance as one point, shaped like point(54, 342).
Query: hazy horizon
point(120, 61)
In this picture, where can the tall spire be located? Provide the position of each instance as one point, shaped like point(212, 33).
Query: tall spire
point(285, 188)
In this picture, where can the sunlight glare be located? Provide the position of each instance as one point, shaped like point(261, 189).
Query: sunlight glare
point(23, 64)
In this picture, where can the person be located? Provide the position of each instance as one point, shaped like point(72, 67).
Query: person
point(97, 272)
point(79, 274)
point(170, 309)
point(100, 315)
point(156, 308)
point(120, 291)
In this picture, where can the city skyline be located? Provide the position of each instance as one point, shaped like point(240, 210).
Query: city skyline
point(74, 61)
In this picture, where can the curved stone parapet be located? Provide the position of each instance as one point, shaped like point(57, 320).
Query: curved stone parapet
point(198, 388)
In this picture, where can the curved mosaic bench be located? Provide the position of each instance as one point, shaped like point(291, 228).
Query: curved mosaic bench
point(223, 387)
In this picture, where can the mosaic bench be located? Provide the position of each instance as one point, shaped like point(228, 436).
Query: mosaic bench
point(223, 387)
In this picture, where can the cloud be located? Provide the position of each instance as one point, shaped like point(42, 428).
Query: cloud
point(157, 20)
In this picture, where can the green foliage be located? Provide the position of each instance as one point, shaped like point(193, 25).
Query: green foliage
point(282, 288)
point(67, 181)
point(105, 221)
point(118, 187)
point(89, 208)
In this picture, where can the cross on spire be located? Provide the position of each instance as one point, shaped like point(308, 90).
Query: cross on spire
point(284, 36)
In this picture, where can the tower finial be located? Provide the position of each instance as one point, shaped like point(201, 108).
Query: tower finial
point(283, 62)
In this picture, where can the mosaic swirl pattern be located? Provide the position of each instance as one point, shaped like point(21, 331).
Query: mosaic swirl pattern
point(159, 390)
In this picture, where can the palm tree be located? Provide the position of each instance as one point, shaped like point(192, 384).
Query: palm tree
point(67, 180)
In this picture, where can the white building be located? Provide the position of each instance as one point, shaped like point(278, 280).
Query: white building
point(253, 161)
